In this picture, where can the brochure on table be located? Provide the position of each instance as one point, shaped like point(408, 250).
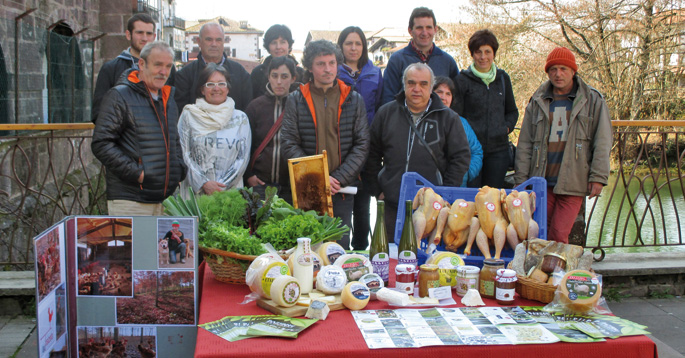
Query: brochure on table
point(413, 328)
point(113, 286)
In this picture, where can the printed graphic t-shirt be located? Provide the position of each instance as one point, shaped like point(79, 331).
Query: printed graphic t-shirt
point(559, 116)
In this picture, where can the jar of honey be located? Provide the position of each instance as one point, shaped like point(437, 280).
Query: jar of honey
point(429, 277)
point(486, 280)
point(505, 286)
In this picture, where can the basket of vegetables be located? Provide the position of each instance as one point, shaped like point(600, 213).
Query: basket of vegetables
point(235, 225)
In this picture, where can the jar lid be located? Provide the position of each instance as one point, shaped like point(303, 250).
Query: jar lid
point(403, 268)
point(555, 255)
point(506, 273)
point(493, 262)
point(429, 267)
point(466, 269)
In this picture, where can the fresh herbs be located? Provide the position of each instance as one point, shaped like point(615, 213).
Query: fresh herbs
point(220, 235)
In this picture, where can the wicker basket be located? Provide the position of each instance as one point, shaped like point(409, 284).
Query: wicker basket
point(533, 289)
point(230, 270)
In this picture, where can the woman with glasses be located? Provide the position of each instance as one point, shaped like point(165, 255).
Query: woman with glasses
point(214, 135)
point(358, 71)
point(268, 166)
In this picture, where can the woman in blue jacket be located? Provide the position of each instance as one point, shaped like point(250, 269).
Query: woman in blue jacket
point(358, 72)
point(444, 88)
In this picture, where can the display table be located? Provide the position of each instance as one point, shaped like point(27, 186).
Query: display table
point(338, 335)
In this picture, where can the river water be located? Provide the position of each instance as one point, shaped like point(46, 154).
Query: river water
point(658, 219)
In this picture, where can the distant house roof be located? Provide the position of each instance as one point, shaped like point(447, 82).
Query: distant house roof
point(230, 26)
point(330, 35)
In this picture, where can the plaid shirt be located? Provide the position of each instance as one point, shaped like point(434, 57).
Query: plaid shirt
point(424, 58)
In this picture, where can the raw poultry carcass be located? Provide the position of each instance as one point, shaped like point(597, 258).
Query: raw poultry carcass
point(519, 208)
point(427, 206)
point(493, 224)
point(461, 225)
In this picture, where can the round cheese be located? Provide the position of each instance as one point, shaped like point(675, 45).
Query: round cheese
point(263, 271)
point(447, 266)
point(580, 290)
point(285, 291)
point(318, 263)
point(355, 295)
point(374, 282)
point(331, 280)
point(329, 252)
point(354, 265)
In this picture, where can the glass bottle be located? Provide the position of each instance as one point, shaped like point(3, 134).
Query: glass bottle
point(379, 252)
point(303, 265)
point(408, 245)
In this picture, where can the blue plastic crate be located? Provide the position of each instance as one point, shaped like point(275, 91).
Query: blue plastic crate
point(412, 182)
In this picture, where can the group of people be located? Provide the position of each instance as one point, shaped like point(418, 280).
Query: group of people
point(422, 115)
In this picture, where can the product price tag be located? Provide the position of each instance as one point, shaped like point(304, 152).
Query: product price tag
point(440, 293)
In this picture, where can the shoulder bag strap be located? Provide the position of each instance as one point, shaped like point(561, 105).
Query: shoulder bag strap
point(425, 144)
point(267, 139)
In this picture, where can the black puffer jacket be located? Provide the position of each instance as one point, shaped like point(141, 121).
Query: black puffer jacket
point(130, 138)
point(395, 149)
point(490, 110)
point(299, 131)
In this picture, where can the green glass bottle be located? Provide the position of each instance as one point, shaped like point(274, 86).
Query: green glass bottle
point(379, 252)
point(408, 245)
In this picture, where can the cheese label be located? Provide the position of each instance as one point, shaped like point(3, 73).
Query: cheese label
point(581, 286)
point(373, 281)
point(360, 291)
point(331, 279)
point(355, 268)
point(291, 293)
point(334, 251)
point(274, 270)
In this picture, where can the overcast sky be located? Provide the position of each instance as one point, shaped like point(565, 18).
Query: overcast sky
point(302, 16)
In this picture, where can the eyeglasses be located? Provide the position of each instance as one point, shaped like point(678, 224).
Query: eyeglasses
point(216, 84)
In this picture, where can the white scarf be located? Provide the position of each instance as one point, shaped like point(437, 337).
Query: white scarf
point(206, 118)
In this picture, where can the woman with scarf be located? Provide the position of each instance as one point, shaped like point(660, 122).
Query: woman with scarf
point(358, 71)
point(485, 98)
point(214, 135)
point(268, 166)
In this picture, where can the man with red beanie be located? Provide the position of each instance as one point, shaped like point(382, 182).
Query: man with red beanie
point(565, 138)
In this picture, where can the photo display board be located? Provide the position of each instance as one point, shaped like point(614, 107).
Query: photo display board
point(117, 286)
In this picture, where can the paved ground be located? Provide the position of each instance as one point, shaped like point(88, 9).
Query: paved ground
point(664, 317)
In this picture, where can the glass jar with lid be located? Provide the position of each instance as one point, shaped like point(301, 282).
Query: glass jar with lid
point(505, 286)
point(467, 279)
point(429, 277)
point(486, 280)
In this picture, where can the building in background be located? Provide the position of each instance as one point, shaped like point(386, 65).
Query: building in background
point(241, 42)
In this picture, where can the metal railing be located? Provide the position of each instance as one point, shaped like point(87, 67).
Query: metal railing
point(175, 22)
point(643, 203)
point(44, 176)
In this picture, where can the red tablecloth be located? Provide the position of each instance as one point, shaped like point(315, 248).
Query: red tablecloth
point(338, 335)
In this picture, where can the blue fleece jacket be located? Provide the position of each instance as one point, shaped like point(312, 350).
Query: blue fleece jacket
point(439, 61)
point(369, 84)
point(476, 152)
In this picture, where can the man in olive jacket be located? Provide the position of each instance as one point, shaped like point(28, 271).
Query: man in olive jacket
point(136, 137)
point(325, 114)
point(565, 138)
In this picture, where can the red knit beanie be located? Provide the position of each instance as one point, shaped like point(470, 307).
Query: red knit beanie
point(561, 56)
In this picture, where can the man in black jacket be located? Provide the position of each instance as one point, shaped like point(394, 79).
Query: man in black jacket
point(325, 114)
point(396, 148)
point(211, 42)
point(136, 137)
point(140, 29)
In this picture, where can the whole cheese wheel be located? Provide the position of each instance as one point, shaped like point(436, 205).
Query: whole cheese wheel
point(263, 271)
point(355, 295)
point(285, 291)
point(330, 251)
point(331, 280)
point(318, 263)
point(580, 291)
point(447, 266)
point(354, 265)
point(374, 282)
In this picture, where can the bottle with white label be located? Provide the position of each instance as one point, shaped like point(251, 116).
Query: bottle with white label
point(379, 252)
point(303, 264)
point(408, 245)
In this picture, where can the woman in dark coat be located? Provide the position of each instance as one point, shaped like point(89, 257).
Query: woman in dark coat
point(484, 97)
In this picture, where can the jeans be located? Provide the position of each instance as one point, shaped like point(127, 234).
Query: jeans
point(181, 248)
point(343, 204)
point(360, 233)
